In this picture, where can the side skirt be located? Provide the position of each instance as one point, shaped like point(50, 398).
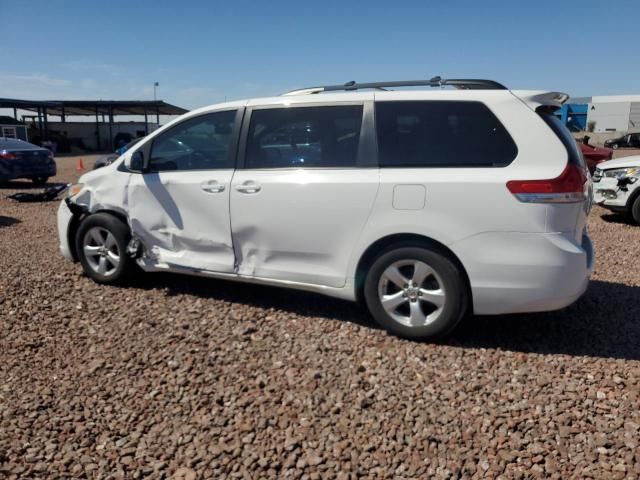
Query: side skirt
point(346, 293)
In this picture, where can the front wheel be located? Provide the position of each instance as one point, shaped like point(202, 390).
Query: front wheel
point(614, 146)
point(101, 243)
point(416, 293)
point(635, 210)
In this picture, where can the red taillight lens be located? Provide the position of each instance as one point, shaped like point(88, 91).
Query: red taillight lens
point(569, 187)
point(5, 155)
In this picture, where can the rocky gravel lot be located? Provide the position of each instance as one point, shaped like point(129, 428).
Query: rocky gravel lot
point(190, 378)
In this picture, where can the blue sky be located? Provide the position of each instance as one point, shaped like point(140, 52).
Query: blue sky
point(204, 51)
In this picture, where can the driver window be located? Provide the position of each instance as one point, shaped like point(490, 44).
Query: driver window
point(200, 143)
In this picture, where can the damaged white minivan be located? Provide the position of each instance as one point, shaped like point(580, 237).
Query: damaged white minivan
point(425, 204)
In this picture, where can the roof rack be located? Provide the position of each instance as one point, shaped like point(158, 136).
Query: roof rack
point(459, 83)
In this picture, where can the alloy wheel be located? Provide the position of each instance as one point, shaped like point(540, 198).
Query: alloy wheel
point(412, 293)
point(101, 251)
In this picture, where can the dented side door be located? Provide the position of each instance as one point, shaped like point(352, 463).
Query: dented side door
point(179, 209)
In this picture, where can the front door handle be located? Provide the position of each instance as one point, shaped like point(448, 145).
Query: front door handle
point(212, 186)
point(248, 187)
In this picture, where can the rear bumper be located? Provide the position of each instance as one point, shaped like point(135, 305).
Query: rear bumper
point(16, 169)
point(525, 272)
point(65, 217)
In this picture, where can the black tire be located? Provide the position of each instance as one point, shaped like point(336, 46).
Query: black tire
point(635, 210)
point(120, 231)
point(452, 282)
point(39, 180)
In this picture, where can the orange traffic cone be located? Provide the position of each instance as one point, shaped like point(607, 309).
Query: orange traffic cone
point(80, 165)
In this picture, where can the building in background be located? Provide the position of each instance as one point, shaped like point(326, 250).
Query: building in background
point(574, 114)
point(12, 128)
point(605, 113)
point(615, 113)
point(86, 135)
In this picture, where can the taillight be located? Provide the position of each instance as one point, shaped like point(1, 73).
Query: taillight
point(569, 187)
point(5, 155)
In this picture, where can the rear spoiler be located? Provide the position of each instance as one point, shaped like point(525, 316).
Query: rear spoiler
point(536, 99)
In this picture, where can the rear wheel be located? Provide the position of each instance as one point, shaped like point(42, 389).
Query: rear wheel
point(101, 243)
point(39, 180)
point(415, 292)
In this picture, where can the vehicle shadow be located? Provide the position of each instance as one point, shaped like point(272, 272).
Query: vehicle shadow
point(600, 324)
point(618, 218)
point(7, 221)
point(261, 296)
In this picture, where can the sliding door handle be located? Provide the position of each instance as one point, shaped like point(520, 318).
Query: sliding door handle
point(212, 186)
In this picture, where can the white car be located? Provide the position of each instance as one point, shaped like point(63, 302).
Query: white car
point(424, 204)
point(617, 186)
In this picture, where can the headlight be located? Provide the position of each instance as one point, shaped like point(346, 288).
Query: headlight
point(623, 172)
point(74, 189)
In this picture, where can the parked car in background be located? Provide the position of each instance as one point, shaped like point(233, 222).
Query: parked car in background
point(422, 204)
point(594, 155)
point(631, 140)
point(20, 159)
point(110, 158)
point(616, 186)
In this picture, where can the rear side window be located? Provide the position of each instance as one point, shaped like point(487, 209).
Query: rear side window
point(199, 143)
point(441, 134)
point(575, 156)
point(304, 137)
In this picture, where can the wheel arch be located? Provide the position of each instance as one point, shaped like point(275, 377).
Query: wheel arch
point(405, 239)
point(632, 198)
point(77, 220)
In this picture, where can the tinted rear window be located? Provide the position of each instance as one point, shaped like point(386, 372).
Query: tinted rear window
point(575, 156)
point(441, 134)
point(304, 137)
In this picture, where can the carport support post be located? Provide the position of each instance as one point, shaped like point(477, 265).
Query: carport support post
point(46, 125)
point(98, 128)
point(157, 117)
point(15, 113)
point(110, 128)
point(40, 124)
point(146, 123)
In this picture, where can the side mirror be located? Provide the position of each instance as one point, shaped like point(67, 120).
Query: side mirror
point(135, 162)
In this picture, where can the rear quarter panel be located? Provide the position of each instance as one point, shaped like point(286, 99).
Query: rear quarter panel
point(462, 202)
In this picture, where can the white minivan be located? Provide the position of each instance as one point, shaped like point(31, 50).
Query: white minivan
point(424, 203)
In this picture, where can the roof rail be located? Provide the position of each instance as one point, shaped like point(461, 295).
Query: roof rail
point(459, 83)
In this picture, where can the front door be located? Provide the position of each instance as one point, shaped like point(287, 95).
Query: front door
point(179, 208)
point(304, 193)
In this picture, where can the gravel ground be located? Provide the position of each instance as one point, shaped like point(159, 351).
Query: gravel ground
point(180, 377)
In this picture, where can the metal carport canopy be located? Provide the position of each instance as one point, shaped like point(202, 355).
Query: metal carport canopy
point(91, 107)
